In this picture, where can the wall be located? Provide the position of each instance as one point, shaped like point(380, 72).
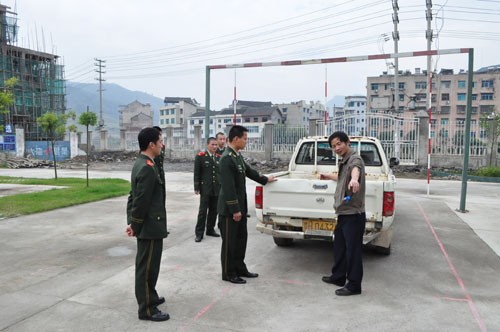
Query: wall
point(43, 150)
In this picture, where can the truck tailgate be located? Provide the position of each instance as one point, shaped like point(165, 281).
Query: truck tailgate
point(313, 199)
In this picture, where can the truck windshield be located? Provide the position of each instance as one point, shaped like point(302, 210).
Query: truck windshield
point(326, 156)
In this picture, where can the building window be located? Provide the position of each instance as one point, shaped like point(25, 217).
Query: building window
point(238, 120)
point(473, 122)
point(433, 98)
point(173, 111)
point(374, 86)
point(445, 96)
point(486, 96)
point(460, 121)
point(401, 97)
point(182, 120)
point(264, 119)
point(166, 112)
point(461, 84)
point(474, 84)
point(486, 83)
point(211, 121)
point(401, 85)
point(255, 119)
point(421, 85)
point(181, 111)
point(474, 96)
point(284, 109)
point(461, 96)
point(421, 96)
point(474, 109)
point(173, 121)
point(445, 84)
point(387, 86)
point(192, 122)
point(227, 120)
point(461, 109)
point(253, 129)
point(485, 109)
point(167, 121)
point(162, 122)
point(444, 121)
point(200, 121)
point(247, 119)
point(445, 109)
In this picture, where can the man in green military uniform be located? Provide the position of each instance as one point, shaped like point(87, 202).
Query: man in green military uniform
point(221, 143)
point(159, 164)
point(206, 184)
point(232, 206)
point(147, 221)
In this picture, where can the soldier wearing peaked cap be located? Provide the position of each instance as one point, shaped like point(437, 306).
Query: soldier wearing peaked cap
point(232, 207)
point(206, 184)
point(147, 221)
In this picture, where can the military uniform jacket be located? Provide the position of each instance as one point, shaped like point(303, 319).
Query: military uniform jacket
point(206, 174)
point(220, 151)
point(233, 194)
point(145, 207)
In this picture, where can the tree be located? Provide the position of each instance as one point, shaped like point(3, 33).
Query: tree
point(87, 119)
point(55, 126)
point(6, 100)
point(491, 123)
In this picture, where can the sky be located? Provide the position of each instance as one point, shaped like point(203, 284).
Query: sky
point(162, 47)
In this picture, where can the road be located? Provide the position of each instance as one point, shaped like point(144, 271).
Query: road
point(73, 269)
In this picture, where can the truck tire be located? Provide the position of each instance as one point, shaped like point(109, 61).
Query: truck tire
point(383, 251)
point(282, 242)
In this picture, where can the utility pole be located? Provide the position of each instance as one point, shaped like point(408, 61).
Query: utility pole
point(395, 37)
point(99, 64)
point(428, 36)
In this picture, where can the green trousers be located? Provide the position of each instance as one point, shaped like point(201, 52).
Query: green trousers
point(147, 268)
point(234, 245)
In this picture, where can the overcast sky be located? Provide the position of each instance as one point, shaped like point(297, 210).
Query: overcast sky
point(162, 47)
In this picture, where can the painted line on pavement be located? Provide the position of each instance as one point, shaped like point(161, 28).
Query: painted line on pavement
point(472, 307)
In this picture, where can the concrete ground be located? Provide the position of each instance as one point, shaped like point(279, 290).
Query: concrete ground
point(73, 269)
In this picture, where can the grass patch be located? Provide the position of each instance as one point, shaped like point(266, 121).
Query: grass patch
point(76, 193)
point(490, 172)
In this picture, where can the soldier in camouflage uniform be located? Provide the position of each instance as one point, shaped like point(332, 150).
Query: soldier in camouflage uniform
point(147, 221)
point(232, 207)
point(206, 184)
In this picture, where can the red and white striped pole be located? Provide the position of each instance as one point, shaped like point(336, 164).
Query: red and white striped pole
point(234, 99)
point(326, 96)
point(430, 124)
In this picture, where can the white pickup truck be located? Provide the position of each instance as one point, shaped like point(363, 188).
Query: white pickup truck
point(300, 205)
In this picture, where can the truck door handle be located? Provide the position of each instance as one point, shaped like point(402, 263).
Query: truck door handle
point(320, 186)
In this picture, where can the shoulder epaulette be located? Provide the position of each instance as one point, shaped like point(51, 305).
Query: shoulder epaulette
point(149, 162)
point(218, 155)
point(201, 154)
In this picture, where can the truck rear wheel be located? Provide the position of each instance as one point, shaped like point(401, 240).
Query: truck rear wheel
point(282, 242)
point(383, 251)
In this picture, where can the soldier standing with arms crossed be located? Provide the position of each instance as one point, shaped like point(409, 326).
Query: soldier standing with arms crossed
point(348, 234)
point(206, 184)
point(147, 221)
point(232, 206)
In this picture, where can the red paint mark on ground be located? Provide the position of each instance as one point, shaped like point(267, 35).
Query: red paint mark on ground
point(206, 308)
point(472, 307)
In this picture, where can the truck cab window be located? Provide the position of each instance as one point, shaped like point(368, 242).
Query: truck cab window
point(306, 154)
point(369, 153)
point(326, 156)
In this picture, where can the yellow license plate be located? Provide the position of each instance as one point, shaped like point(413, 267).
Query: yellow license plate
point(318, 226)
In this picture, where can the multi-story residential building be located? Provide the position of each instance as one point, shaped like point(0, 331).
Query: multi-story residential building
point(355, 109)
point(299, 113)
point(134, 117)
point(40, 86)
point(449, 93)
point(176, 112)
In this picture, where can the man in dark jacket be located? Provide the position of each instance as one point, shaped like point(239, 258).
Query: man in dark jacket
point(147, 221)
point(206, 184)
point(232, 206)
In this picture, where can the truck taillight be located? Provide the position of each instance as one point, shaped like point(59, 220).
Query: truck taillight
point(388, 204)
point(258, 197)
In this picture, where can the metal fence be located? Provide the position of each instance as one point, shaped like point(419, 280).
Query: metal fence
point(285, 137)
point(449, 139)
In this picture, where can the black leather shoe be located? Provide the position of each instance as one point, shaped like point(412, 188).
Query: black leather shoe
point(213, 233)
point(198, 239)
point(346, 292)
point(158, 317)
point(329, 280)
point(161, 300)
point(235, 280)
point(249, 275)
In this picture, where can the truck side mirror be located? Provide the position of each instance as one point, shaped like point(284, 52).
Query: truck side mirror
point(394, 161)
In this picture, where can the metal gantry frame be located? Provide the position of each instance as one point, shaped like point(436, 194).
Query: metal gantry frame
point(469, 51)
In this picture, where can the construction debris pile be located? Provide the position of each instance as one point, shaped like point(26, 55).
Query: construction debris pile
point(19, 162)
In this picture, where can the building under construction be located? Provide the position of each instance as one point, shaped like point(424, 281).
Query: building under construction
point(40, 87)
